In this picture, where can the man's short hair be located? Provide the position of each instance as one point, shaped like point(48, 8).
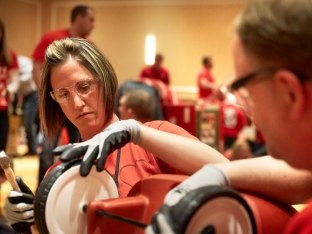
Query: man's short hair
point(159, 57)
point(280, 39)
point(206, 60)
point(141, 103)
point(78, 10)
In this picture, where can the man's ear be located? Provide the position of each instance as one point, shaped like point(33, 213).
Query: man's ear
point(292, 91)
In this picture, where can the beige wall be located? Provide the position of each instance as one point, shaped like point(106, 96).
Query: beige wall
point(21, 22)
point(185, 31)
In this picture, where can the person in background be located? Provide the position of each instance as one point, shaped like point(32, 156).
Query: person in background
point(240, 149)
point(137, 104)
point(156, 71)
point(272, 53)
point(206, 82)
point(82, 21)
point(80, 84)
point(28, 92)
point(157, 76)
point(8, 78)
point(251, 134)
point(134, 84)
point(234, 119)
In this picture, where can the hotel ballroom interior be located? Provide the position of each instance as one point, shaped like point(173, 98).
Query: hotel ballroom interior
point(130, 33)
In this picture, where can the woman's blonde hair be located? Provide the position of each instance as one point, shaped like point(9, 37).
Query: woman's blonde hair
point(88, 55)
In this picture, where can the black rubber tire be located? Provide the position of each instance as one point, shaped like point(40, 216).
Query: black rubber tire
point(43, 191)
point(180, 214)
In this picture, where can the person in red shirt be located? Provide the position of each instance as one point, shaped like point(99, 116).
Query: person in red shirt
point(272, 54)
point(82, 21)
point(158, 77)
point(156, 71)
point(8, 73)
point(205, 79)
point(234, 119)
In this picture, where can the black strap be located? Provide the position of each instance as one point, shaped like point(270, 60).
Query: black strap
point(121, 218)
point(115, 177)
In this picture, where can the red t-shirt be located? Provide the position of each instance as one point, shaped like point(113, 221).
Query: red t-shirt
point(4, 80)
point(204, 74)
point(161, 74)
point(234, 119)
point(46, 40)
point(136, 163)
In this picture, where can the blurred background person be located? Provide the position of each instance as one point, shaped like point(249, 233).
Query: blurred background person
point(29, 96)
point(8, 74)
point(138, 85)
point(205, 79)
point(157, 76)
point(234, 118)
point(137, 104)
point(239, 150)
point(156, 71)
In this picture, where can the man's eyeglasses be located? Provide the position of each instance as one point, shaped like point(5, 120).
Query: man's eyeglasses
point(242, 81)
point(242, 94)
point(81, 88)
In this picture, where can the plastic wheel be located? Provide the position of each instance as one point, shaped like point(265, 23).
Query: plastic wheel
point(63, 194)
point(209, 210)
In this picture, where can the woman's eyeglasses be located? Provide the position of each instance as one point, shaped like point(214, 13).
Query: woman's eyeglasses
point(81, 88)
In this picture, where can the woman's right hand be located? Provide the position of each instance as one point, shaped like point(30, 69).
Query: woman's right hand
point(97, 149)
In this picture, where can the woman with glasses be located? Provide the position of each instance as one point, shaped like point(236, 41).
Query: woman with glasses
point(79, 83)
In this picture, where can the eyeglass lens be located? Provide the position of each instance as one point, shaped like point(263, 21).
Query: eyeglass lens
point(80, 88)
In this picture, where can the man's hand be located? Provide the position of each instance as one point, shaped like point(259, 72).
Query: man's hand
point(207, 175)
point(19, 208)
point(101, 145)
point(163, 221)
